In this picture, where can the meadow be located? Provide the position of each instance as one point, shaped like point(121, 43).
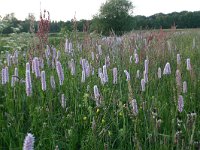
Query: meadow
point(137, 91)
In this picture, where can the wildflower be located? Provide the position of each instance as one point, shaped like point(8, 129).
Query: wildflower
point(159, 73)
point(134, 106)
point(27, 66)
point(99, 72)
point(97, 95)
point(180, 103)
point(145, 76)
point(193, 43)
point(58, 55)
point(93, 124)
point(66, 46)
point(87, 70)
point(105, 73)
point(84, 118)
point(178, 80)
point(127, 75)
point(99, 50)
point(29, 142)
point(138, 74)
point(8, 57)
point(88, 88)
point(72, 67)
point(70, 47)
point(16, 57)
point(102, 78)
point(60, 72)
point(92, 55)
point(28, 83)
point(32, 65)
point(12, 81)
point(107, 61)
point(146, 65)
point(136, 58)
point(178, 57)
point(143, 85)
point(63, 101)
point(167, 69)
point(41, 63)
point(130, 59)
point(188, 64)
point(53, 85)
point(43, 80)
point(3, 76)
point(36, 67)
point(184, 87)
point(83, 76)
point(114, 75)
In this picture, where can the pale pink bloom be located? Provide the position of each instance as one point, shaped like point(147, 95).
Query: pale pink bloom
point(114, 75)
point(27, 66)
point(145, 77)
point(159, 73)
point(146, 66)
point(134, 106)
point(28, 83)
point(92, 55)
point(138, 74)
point(143, 85)
point(43, 81)
point(3, 76)
point(83, 76)
point(60, 72)
point(52, 80)
point(188, 64)
point(105, 74)
point(36, 67)
point(99, 50)
point(127, 75)
point(29, 142)
point(167, 69)
point(97, 96)
point(184, 87)
point(178, 78)
point(130, 59)
point(63, 101)
point(178, 59)
point(136, 58)
point(180, 103)
point(99, 72)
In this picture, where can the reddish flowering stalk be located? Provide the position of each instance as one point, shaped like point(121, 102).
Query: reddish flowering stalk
point(43, 29)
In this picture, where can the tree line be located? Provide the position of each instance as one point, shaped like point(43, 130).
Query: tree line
point(10, 24)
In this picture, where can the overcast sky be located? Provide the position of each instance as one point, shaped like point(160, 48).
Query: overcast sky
point(85, 9)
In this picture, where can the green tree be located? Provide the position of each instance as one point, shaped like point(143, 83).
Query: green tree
point(114, 15)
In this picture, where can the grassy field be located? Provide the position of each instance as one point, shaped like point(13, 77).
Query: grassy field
point(54, 96)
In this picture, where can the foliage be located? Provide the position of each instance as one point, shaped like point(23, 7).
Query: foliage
point(114, 15)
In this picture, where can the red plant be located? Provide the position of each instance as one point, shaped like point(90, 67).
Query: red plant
point(43, 29)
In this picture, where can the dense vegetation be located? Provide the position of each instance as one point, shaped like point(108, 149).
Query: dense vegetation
point(185, 19)
point(137, 91)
